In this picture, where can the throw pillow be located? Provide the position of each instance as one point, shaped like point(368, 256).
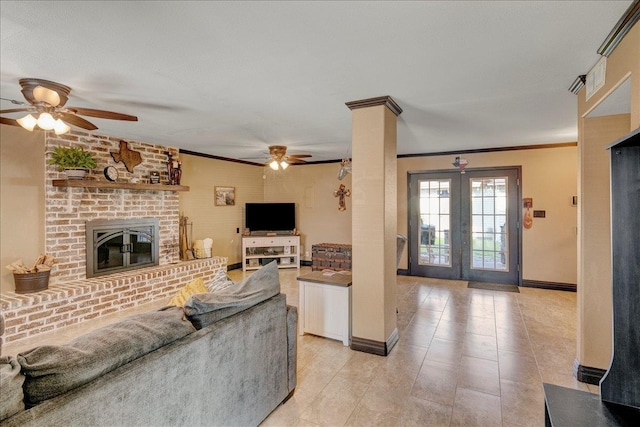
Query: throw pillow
point(53, 370)
point(11, 395)
point(220, 281)
point(195, 287)
point(205, 309)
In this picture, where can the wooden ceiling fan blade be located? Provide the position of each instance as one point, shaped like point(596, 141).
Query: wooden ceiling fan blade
point(102, 114)
point(294, 161)
point(74, 120)
point(16, 110)
point(299, 156)
point(12, 122)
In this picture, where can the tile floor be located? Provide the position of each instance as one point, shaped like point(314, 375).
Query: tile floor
point(466, 357)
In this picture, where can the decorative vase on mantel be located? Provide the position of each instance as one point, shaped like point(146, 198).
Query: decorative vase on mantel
point(75, 173)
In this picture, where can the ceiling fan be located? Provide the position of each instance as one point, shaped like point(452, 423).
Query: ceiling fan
point(47, 101)
point(281, 160)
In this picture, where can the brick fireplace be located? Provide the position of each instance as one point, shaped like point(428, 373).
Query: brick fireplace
point(72, 297)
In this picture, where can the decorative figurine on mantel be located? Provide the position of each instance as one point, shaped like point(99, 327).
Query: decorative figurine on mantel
point(174, 168)
point(342, 192)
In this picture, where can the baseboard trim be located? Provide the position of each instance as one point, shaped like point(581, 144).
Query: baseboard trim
point(587, 374)
point(402, 272)
point(554, 286)
point(304, 263)
point(234, 266)
point(375, 347)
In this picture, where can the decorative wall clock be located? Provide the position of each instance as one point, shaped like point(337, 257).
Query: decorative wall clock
point(111, 173)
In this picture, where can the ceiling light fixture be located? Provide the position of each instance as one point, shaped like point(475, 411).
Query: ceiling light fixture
point(61, 127)
point(28, 122)
point(284, 165)
point(274, 165)
point(44, 121)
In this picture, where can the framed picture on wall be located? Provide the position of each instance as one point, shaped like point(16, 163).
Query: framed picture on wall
point(225, 196)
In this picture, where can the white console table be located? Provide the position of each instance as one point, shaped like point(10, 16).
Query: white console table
point(258, 250)
point(325, 305)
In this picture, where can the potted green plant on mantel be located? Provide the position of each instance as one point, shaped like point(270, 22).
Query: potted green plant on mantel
point(74, 161)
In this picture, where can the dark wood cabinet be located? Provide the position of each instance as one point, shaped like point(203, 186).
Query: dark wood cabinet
point(621, 383)
point(619, 400)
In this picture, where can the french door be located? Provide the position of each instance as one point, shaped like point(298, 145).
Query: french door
point(465, 225)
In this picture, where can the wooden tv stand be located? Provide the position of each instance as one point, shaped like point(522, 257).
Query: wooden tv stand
point(260, 250)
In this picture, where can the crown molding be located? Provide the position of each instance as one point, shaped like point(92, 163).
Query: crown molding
point(622, 27)
point(373, 102)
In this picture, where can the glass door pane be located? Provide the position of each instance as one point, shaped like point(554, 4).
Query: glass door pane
point(435, 218)
point(109, 249)
point(489, 233)
point(141, 245)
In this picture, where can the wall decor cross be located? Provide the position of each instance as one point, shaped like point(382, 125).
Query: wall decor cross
point(341, 193)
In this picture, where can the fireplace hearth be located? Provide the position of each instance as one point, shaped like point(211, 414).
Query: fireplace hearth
point(121, 245)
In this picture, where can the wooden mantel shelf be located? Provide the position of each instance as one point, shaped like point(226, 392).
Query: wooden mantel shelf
point(85, 183)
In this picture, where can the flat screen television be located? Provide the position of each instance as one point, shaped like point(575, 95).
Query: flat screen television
point(272, 217)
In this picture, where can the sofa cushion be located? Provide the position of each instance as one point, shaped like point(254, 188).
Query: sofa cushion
point(220, 281)
point(205, 309)
point(53, 370)
point(196, 286)
point(11, 380)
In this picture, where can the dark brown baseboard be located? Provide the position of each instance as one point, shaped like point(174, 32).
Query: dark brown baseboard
point(587, 374)
point(304, 263)
point(375, 347)
point(403, 272)
point(235, 266)
point(554, 286)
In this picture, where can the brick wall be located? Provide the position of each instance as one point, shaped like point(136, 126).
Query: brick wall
point(67, 209)
point(71, 298)
point(70, 303)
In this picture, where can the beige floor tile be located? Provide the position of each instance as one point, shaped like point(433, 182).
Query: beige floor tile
point(335, 404)
point(481, 326)
point(405, 357)
point(518, 367)
point(385, 399)
point(363, 417)
point(362, 367)
point(289, 413)
point(427, 317)
point(481, 346)
point(418, 412)
point(475, 409)
point(522, 404)
point(451, 331)
point(509, 340)
point(418, 334)
point(445, 352)
point(480, 375)
point(437, 383)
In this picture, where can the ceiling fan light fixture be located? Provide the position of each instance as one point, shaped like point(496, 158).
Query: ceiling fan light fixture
point(274, 165)
point(42, 94)
point(28, 122)
point(284, 165)
point(61, 127)
point(46, 121)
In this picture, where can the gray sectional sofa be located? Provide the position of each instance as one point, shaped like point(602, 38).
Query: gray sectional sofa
point(234, 367)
